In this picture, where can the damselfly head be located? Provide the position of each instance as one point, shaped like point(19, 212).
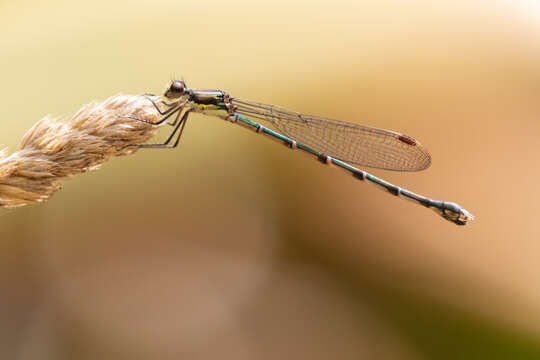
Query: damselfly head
point(175, 89)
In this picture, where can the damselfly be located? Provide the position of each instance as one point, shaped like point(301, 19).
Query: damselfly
point(330, 141)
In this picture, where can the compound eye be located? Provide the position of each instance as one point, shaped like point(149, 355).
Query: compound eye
point(178, 87)
point(175, 90)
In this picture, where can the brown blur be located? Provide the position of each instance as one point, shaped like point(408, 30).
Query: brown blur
point(233, 247)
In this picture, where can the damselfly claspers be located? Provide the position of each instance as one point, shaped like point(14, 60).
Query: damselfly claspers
point(330, 141)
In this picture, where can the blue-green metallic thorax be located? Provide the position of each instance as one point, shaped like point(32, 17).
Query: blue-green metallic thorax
point(210, 102)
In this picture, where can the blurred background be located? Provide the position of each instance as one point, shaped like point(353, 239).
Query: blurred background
point(233, 247)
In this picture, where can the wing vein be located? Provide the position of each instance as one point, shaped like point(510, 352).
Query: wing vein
point(354, 143)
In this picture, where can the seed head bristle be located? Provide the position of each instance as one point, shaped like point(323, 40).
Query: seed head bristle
point(52, 151)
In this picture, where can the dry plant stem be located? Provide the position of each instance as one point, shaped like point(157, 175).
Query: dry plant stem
point(52, 151)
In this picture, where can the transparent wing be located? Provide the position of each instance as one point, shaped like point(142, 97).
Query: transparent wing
point(358, 144)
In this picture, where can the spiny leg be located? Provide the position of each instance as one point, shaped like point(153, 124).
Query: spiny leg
point(160, 121)
point(162, 101)
point(167, 104)
point(173, 123)
point(171, 105)
point(181, 124)
point(180, 133)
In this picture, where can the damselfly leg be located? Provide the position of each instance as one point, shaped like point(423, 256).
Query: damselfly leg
point(170, 105)
point(179, 128)
point(169, 112)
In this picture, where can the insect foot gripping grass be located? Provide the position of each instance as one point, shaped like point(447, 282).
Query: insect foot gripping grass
point(52, 151)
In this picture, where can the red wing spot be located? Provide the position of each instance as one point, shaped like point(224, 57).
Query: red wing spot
point(407, 140)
